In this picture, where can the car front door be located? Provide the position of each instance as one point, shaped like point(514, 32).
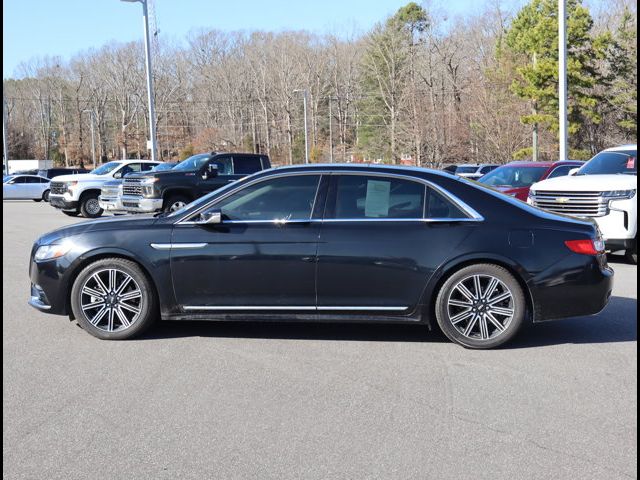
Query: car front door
point(15, 188)
point(381, 240)
point(261, 257)
point(222, 165)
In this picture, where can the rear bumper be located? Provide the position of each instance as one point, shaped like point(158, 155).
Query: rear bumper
point(577, 286)
point(141, 204)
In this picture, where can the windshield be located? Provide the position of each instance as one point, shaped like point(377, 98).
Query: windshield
point(515, 177)
point(466, 169)
point(193, 163)
point(106, 168)
point(6, 178)
point(163, 166)
point(612, 163)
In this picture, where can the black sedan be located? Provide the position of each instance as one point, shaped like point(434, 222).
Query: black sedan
point(338, 243)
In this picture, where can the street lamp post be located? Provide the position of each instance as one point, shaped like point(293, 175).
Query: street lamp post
point(562, 74)
point(5, 147)
point(150, 95)
point(330, 132)
point(305, 93)
point(93, 138)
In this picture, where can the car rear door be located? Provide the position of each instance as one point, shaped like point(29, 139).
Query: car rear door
point(377, 250)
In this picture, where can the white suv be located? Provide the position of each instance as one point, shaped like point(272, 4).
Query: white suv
point(605, 188)
point(78, 194)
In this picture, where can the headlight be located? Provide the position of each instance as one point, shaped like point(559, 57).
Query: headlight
point(149, 181)
point(70, 185)
point(619, 194)
point(49, 252)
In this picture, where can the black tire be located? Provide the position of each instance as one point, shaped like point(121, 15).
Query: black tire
point(632, 254)
point(45, 196)
point(173, 202)
point(89, 206)
point(37, 200)
point(516, 302)
point(147, 304)
point(71, 213)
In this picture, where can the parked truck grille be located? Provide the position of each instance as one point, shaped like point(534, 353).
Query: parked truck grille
point(131, 186)
point(581, 204)
point(57, 188)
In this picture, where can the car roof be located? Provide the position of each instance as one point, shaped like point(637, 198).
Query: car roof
point(363, 167)
point(532, 164)
point(631, 146)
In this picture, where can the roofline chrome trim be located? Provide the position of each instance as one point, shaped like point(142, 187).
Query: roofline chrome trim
point(466, 208)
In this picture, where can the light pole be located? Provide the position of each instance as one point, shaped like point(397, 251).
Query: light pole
point(93, 138)
point(562, 75)
point(305, 93)
point(147, 54)
point(5, 147)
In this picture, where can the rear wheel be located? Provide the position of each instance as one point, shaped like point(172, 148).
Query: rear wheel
point(481, 306)
point(45, 196)
point(113, 299)
point(90, 206)
point(175, 202)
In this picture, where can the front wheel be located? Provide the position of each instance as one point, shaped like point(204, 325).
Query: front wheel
point(632, 253)
point(113, 299)
point(481, 306)
point(175, 202)
point(90, 206)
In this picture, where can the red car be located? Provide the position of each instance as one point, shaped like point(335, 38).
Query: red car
point(516, 178)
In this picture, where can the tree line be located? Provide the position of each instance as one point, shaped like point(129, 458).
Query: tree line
point(418, 88)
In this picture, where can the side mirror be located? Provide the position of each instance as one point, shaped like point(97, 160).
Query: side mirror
point(573, 171)
point(212, 171)
point(212, 217)
point(118, 174)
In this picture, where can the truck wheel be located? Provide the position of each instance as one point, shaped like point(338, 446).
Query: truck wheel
point(174, 203)
point(89, 206)
point(632, 253)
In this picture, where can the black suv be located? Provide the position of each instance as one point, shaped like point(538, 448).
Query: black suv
point(192, 178)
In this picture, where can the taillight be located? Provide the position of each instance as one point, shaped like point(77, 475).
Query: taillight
point(585, 247)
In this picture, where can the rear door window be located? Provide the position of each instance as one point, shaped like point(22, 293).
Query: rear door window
point(246, 165)
point(372, 197)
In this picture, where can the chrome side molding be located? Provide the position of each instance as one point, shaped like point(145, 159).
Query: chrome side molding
point(177, 246)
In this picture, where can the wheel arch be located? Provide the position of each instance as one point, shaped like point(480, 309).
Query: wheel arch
point(101, 254)
point(437, 280)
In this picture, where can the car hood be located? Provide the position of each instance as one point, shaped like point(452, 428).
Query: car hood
point(168, 174)
point(102, 224)
point(80, 177)
point(582, 183)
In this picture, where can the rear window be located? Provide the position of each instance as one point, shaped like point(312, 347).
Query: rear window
point(246, 165)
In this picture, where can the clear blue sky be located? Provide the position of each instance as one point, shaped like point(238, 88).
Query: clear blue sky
point(37, 28)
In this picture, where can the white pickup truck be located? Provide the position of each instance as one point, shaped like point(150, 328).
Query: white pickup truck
point(78, 194)
point(605, 188)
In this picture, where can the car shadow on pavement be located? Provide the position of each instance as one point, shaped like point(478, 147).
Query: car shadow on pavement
point(617, 323)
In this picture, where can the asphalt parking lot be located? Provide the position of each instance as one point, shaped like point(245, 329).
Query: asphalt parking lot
point(198, 400)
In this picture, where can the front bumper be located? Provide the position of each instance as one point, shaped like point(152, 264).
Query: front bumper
point(111, 204)
point(141, 204)
point(61, 203)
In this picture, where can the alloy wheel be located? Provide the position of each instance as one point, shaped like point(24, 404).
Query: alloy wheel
point(481, 307)
point(176, 206)
point(92, 206)
point(111, 300)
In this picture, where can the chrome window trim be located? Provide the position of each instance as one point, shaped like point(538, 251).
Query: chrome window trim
point(191, 308)
point(473, 215)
